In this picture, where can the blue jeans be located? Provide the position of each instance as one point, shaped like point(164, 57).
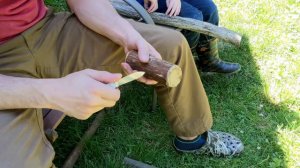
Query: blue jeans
point(203, 10)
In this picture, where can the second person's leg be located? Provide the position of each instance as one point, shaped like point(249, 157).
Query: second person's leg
point(207, 47)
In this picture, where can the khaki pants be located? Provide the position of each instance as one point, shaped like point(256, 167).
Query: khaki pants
point(59, 45)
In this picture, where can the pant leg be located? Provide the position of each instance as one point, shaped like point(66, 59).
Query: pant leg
point(210, 14)
point(71, 47)
point(208, 9)
point(186, 105)
point(189, 11)
point(22, 140)
point(202, 10)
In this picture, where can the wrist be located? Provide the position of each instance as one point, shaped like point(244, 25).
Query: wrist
point(127, 33)
point(46, 89)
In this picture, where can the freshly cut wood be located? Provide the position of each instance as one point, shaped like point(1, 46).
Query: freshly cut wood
point(182, 23)
point(160, 70)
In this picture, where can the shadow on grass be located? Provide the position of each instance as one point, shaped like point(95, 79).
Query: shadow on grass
point(239, 103)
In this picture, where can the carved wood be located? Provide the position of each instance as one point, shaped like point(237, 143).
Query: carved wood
point(160, 70)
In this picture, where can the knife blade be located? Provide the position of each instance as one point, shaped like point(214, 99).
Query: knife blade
point(127, 79)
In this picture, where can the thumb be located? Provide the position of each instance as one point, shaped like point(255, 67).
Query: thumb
point(143, 52)
point(103, 76)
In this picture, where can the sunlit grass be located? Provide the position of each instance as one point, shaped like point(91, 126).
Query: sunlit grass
point(289, 140)
point(273, 30)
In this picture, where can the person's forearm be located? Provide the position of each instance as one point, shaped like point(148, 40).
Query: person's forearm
point(16, 92)
point(101, 17)
point(79, 94)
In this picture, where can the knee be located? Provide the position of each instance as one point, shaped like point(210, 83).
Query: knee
point(212, 8)
point(211, 14)
point(175, 39)
point(197, 15)
point(171, 44)
point(191, 12)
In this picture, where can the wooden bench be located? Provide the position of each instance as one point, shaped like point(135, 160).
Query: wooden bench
point(132, 9)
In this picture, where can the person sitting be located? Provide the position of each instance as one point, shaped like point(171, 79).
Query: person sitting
point(64, 61)
point(204, 47)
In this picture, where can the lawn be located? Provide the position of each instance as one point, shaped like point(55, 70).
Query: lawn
point(260, 104)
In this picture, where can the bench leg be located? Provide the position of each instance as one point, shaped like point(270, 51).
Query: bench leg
point(154, 101)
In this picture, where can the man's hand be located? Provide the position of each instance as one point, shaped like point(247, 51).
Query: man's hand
point(138, 43)
point(94, 14)
point(150, 5)
point(174, 7)
point(83, 93)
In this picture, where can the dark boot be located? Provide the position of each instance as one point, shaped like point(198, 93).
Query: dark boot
point(209, 60)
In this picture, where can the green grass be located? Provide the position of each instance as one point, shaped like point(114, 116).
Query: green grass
point(260, 104)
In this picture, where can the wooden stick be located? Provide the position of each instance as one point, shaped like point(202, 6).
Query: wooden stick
point(162, 71)
point(72, 158)
point(136, 164)
point(182, 23)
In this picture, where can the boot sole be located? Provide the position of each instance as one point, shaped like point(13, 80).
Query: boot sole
point(215, 73)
